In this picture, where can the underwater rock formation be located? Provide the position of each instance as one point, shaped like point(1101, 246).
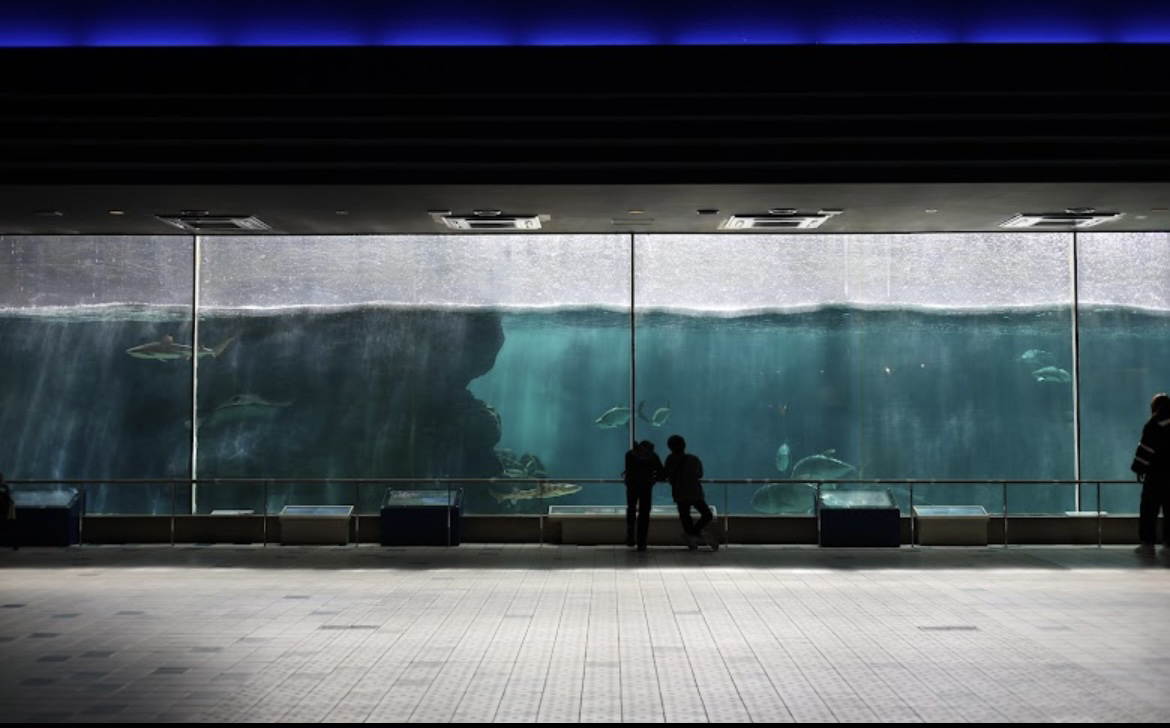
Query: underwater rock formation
point(366, 393)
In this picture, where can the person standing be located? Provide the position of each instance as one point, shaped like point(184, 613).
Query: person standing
point(8, 523)
point(1151, 462)
point(685, 473)
point(643, 469)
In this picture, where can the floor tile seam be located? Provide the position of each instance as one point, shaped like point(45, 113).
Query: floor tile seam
point(864, 635)
point(798, 625)
point(964, 656)
point(831, 664)
point(644, 619)
point(252, 684)
point(407, 628)
point(689, 664)
point(777, 690)
point(456, 702)
point(562, 592)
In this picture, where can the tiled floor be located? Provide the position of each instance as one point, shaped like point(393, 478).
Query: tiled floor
point(554, 634)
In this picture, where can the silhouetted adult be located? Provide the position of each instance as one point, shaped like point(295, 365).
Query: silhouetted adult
point(8, 523)
point(1151, 462)
point(643, 469)
point(685, 473)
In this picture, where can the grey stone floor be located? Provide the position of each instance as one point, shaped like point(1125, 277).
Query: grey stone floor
point(527, 633)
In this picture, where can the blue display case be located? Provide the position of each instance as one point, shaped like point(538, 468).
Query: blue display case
point(859, 518)
point(421, 517)
point(48, 516)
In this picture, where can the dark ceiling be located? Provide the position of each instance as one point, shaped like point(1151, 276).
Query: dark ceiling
point(587, 136)
point(342, 209)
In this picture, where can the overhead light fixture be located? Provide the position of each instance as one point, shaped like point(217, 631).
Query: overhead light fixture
point(488, 220)
point(1073, 217)
point(624, 221)
point(779, 219)
point(117, 213)
point(201, 221)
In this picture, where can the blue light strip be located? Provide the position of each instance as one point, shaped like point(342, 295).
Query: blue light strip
point(63, 23)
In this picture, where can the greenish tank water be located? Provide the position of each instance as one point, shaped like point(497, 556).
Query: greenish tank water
point(393, 392)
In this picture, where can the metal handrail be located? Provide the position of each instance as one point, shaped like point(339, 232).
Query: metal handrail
point(496, 481)
point(818, 484)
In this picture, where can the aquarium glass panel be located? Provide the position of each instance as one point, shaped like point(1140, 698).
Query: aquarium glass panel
point(838, 357)
point(414, 357)
point(95, 367)
point(1123, 303)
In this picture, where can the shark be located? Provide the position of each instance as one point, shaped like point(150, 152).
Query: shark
point(240, 407)
point(1052, 374)
point(166, 349)
point(541, 491)
point(1037, 357)
point(660, 416)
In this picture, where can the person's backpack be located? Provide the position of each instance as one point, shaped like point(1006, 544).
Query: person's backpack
point(639, 468)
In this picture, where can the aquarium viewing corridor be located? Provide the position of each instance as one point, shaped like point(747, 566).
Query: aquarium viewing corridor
point(524, 633)
point(513, 361)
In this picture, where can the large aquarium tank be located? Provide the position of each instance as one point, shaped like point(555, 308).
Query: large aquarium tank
point(94, 333)
point(181, 374)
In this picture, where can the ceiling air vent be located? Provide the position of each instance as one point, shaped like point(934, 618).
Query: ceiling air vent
point(482, 220)
point(1073, 217)
point(203, 222)
point(779, 219)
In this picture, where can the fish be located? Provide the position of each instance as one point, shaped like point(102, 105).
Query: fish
point(166, 349)
point(782, 456)
point(775, 498)
point(508, 459)
point(515, 473)
point(821, 467)
point(613, 417)
point(1052, 374)
point(1037, 357)
point(532, 465)
point(540, 492)
point(660, 416)
point(239, 407)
